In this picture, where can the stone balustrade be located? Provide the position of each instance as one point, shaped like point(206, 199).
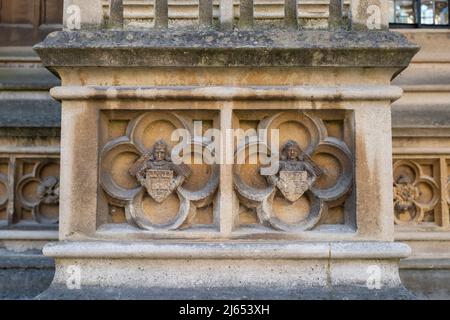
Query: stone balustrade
point(243, 14)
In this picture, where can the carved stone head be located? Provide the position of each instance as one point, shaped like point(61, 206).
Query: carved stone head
point(291, 151)
point(160, 151)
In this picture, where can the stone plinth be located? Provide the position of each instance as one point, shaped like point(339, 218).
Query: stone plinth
point(133, 223)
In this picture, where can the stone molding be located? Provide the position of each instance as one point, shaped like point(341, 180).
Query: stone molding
point(225, 93)
point(196, 48)
point(227, 250)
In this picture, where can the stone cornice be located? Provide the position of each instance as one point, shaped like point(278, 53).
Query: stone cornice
point(212, 48)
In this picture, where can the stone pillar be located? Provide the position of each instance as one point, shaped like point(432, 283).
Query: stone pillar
point(135, 222)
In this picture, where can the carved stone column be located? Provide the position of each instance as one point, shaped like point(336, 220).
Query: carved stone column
point(134, 223)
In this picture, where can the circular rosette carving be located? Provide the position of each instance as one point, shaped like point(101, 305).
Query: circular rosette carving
point(4, 190)
point(335, 159)
point(39, 192)
point(414, 193)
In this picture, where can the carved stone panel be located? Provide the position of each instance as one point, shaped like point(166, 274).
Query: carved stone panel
point(141, 181)
point(5, 191)
point(421, 192)
point(29, 192)
point(312, 184)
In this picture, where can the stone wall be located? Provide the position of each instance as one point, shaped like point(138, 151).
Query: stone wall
point(30, 122)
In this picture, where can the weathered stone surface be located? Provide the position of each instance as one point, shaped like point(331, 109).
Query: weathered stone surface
point(234, 270)
point(24, 275)
point(196, 48)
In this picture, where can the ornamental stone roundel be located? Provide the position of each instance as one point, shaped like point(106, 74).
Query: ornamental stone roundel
point(414, 193)
point(151, 182)
point(46, 193)
point(302, 175)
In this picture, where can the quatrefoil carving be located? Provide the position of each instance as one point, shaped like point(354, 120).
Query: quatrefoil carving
point(148, 175)
point(46, 192)
point(297, 178)
point(414, 193)
point(4, 191)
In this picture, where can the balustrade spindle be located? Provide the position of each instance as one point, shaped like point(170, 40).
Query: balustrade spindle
point(116, 14)
point(291, 14)
point(226, 14)
point(205, 12)
point(246, 15)
point(335, 14)
point(161, 14)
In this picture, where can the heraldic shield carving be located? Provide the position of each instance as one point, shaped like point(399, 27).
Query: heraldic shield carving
point(297, 175)
point(157, 182)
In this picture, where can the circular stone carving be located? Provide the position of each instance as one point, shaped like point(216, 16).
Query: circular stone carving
point(135, 211)
point(337, 150)
point(3, 190)
point(311, 126)
point(268, 217)
point(38, 192)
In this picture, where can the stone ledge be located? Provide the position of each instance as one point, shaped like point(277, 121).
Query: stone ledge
point(374, 92)
point(228, 250)
point(226, 293)
point(425, 263)
point(28, 235)
point(194, 48)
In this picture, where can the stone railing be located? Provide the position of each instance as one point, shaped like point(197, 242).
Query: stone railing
point(224, 14)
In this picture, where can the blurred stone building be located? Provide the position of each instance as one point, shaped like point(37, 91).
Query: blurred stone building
point(30, 123)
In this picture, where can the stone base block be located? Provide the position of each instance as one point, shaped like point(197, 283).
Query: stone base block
point(24, 275)
point(427, 278)
point(231, 270)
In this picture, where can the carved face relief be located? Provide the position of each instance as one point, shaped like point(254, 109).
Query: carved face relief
point(157, 173)
point(296, 174)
